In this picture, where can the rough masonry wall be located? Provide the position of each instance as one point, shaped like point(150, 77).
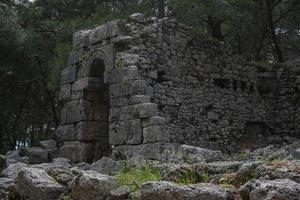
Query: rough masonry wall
point(206, 95)
point(148, 80)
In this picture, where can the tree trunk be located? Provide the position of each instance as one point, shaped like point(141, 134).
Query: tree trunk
point(272, 31)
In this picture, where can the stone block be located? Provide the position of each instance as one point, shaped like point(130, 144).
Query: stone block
point(138, 99)
point(79, 110)
point(86, 83)
point(48, 144)
point(98, 34)
point(77, 151)
point(76, 56)
point(89, 131)
point(152, 121)
point(81, 39)
point(36, 155)
point(115, 28)
point(126, 132)
point(65, 92)
point(136, 87)
point(153, 134)
point(120, 75)
point(68, 75)
point(66, 133)
point(145, 110)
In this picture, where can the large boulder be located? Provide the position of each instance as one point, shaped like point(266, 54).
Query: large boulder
point(107, 166)
point(281, 189)
point(172, 191)
point(7, 188)
point(280, 170)
point(60, 173)
point(36, 155)
point(36, 184)
point(92, 185)
point(13, 170)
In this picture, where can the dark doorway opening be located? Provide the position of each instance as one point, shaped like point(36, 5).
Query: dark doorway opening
point(98, 95)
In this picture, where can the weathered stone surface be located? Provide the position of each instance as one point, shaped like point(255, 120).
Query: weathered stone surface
point(36, 155)
point(92, 185)
point(145, 110)
point(126, 88)
point(68, 75)
point(7, 188)
point(280, 170)
point(13, 170)
point(197, 154)
point(126, 132)
point(137, 17)
point(296, 154)
point(79, 110)
point(81, 39)
point(77, 151)
point(14, 157)
point(34, 184)
point(171, 191)
point(282, 189)
point(86, 83)
point(65, 162)
point(48, 144)
point(220, 167)
point(107, 166)
point(120, 75)
point(62, 174)
point(155, 134)
point(65, 92)
point(88, 131)
point(66, 133)
point(5, 183)
point(121, 193)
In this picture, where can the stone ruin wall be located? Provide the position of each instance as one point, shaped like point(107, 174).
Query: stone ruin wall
point(146, 80)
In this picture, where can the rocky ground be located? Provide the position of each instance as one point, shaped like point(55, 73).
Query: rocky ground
point(156, 172)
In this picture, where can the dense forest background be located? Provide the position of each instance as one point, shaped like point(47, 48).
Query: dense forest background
point(36, 36)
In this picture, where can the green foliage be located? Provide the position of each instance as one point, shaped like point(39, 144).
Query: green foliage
point(137, 176)
point(188, 177)
point(60, 62)
point(241, 156)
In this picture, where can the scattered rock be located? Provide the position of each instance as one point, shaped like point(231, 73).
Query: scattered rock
point(36, 184)
point(107, 166)
point(280, 170)
point(193, 154)
point(36, 155)
point(14, 157)
point(7, 188)
point(83, 166)
point(121, 193)
point(172, 191)
point(63, 162)
point(92, 185)
point(282, 189)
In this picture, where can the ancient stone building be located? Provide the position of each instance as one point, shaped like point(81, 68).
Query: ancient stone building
point(148, 80)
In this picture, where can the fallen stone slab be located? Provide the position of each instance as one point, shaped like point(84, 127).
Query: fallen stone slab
point(171, 191)
point(36, 155)
point(36, 184)
point(107, 166)
point(92, 185)
point(281, 189)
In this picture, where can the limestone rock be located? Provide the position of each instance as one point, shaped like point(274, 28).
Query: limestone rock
point(106, 166)
point(13, 170)
point(14, 157)
point(92, 185)
point(36, 184)
point(63, 162)
point(196, 154)
point(282, 189)
point(280, 170)
point(36, 155)
point(171, 191)
point(121, 193)
point(48, 144)
point(7, 189)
